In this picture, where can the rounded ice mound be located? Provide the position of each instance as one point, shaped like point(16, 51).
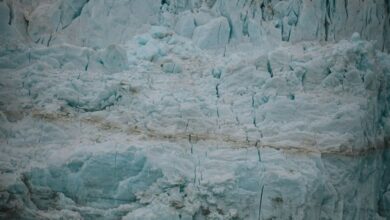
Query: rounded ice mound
point(214, 34)
point(150, 51)
point(160, 32)
point(171, 67)
point(88, 95)
point(186, 24)
point(100, 181)
point(355, 37)
point(114, 58)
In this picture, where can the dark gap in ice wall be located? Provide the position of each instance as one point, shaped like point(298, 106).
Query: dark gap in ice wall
point(79, 10)
point(11, 13)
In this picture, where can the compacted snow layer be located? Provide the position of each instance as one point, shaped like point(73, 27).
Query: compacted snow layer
point(194, 110)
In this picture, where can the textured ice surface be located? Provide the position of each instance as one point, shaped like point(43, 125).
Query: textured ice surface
point(214, 34)
point(192, 109)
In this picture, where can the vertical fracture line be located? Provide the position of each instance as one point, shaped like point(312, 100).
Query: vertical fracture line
point(116, 173)
point(261, 200)
point(78, 115)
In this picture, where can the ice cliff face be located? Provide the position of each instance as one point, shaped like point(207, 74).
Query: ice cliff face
point(100, 23)
point(194, 109)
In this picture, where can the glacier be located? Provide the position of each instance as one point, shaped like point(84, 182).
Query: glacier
point(195, 109)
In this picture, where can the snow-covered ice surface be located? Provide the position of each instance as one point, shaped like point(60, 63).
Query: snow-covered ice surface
point(191, 109)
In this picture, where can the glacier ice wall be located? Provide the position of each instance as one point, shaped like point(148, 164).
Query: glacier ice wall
point(192, 109)
point(86, 23)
